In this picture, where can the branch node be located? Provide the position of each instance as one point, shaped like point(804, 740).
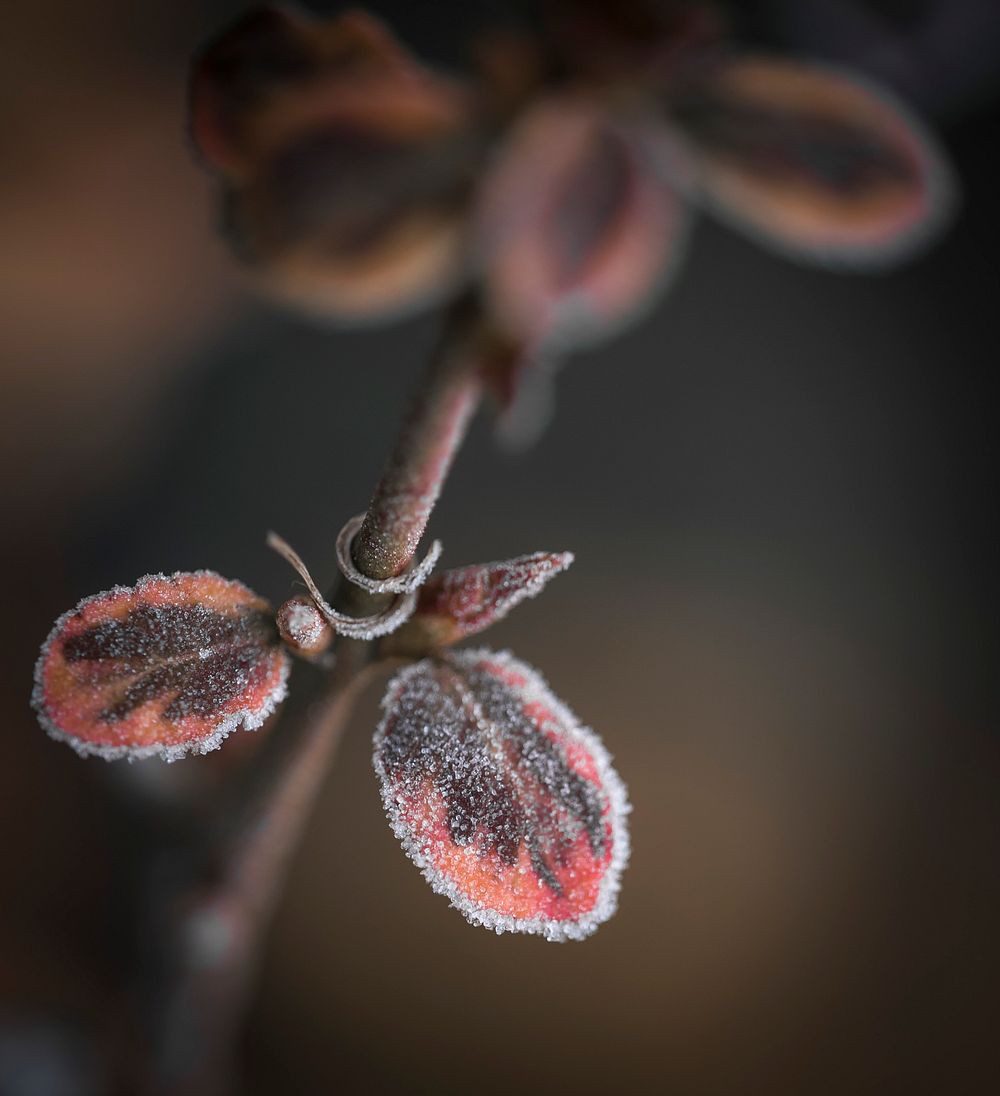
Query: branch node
point(370, 627)
point(407, 583)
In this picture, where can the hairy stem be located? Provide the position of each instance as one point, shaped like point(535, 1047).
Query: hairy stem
point(423, 453)
point(236, 869)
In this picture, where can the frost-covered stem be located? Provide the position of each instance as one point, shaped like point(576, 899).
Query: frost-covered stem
point(420, 459)
point(215, 928)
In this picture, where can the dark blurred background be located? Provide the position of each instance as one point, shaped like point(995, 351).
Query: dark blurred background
point(781, 489)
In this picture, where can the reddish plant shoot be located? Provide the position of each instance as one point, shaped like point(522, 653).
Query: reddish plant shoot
point(551, 196)
point(167, 667)
point(511, 809)
point(460, 603)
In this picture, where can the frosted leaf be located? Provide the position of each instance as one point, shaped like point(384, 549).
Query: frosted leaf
point(510, 807)
point(816, 163)
point(169, 666)
point(366, 628)
point(463, 602)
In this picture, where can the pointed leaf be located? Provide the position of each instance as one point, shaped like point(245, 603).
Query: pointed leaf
point(459, 603)
point(510, 807)
point(816, 163)
point(169, 666)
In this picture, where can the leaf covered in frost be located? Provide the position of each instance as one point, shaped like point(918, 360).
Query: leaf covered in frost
point(459, 603)
point(165, 667)
point(510, 807)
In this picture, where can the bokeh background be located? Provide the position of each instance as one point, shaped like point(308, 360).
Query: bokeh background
point(781, 489)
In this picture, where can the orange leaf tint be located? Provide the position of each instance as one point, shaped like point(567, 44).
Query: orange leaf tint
point(169, 666)
point(510, 807)
point(815, 162)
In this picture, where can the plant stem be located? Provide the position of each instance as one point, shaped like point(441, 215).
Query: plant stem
point(423, 453)
point(215, 928)
point(236, 867)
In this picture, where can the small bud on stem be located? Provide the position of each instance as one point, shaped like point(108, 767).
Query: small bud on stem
point(303, 628)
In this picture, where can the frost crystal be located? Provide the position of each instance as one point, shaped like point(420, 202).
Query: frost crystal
point(366, 628)
point(463, 602)
point(303, 627)
point(167, 667)
point(306, 623)
point(407, 583)
point(510, 807)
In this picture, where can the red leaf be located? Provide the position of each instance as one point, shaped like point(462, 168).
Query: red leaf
point(460, 603)
point(169, 666)
point(815, 162)
point(578, 226)
point(510, 807)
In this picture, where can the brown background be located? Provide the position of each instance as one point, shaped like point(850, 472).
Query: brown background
point(781, 491)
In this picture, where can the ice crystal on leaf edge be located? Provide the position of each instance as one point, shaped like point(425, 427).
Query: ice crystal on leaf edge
point(536, 689)
point(249, 718)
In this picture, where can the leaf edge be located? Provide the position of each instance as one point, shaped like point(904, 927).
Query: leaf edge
point(620, 807)
point(250, 719)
